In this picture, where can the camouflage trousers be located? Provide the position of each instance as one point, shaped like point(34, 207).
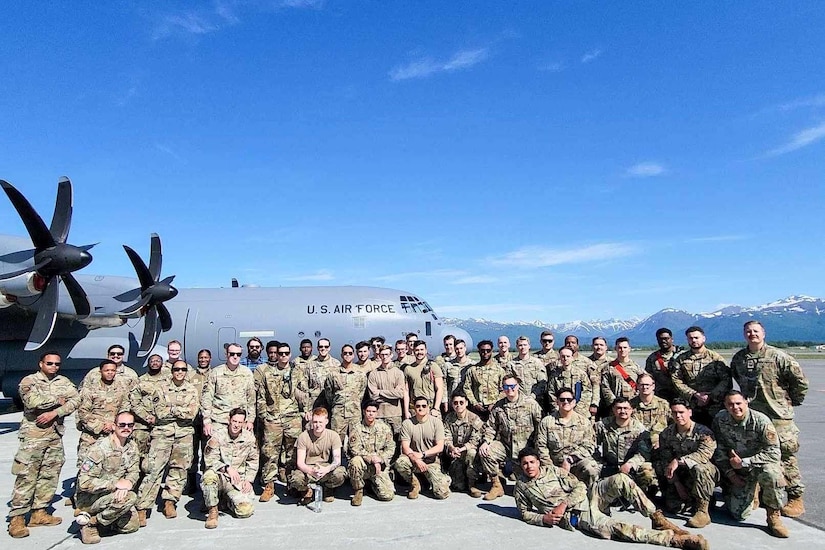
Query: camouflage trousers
point(37, 466)
point(586, 470)
point(341, 424)
point(107, 510)
point(360, 472)
point(700, 481)
point(278, 445)
point(168, 454)
point(198, 446)
point(788, 433)
point(496, 459)
point(438, 479)
point(619, 486)
point(739, 500)
point(86, 441)
point(464, 469)
point(300, 481)
point(595, 523)
point(215, 486)
point(143, 439)
point(644, 475)
point(394, 422)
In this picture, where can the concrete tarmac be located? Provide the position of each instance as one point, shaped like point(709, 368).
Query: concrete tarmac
point(459, 521)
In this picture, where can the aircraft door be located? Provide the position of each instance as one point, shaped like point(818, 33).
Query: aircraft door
point(226, 335)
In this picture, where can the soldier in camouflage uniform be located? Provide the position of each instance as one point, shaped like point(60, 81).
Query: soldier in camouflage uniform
point(600, 357)
point(47, 399)
point(422, 442)
point(503, 356)
point(462, 434)
point(174, 407)
point(126, 375)
point(231, 464)
point(658, 364)
point(106, 482)
point(568, 375)
point(100, 401)
point(650, 410)
point(748, 454)
point(700, 375)
point(280, 413)
point(197, 377)
point(314, 373)
point(455, 372)
point(619, 377)
point(387, 387)
point(684, 464)
point(424, 378)
point(511, 427)
point(344, 391)
point(482, 383)
point(530, 370)
point(566, 439)
point(173, 351)
point(623, 445)
point(547, 354)
point(549, 496)
point(445, 358)
point(140, 403)
point(228, 386)
point(774, 384)
point(371, 448)
point(317, 459)
point(571, 342)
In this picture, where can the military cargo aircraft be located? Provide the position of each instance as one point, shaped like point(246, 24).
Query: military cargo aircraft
point(45, 306)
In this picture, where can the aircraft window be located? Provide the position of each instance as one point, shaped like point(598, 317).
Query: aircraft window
point(359, 321)
point(434, 317)
point(428, 328)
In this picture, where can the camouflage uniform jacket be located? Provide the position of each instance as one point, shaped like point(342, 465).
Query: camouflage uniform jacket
point(550, 358)
point(754, 439)
point(559, 439)
point(482, 383)
point(771, 380)
point(240, 453)
point(694, 447)
point(310, 389)
point(576, 379)
point(124, 375)
point(41, 394)
point(276, 398)
point(535, 497)
point(99, 404)
point(105, 464)
point(660, 366)
point(655, 416)
point(454, 373)
point(198, 379)
point(175, 408)
point(140, 398)
point(705, 371)
point(594, 371)
point(617, 445)
point(513, 423)
point(226, 389)
point(532, 373)
point(614, 385)
point(344, 391)
point(459, 432)
point(372, 440)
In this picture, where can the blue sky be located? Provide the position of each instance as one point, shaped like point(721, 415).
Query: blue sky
point(506, 160)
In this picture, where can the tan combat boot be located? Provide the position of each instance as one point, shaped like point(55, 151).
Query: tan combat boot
point(473, 491)
point(17, 527)
point(775, 525)
point(497, 490)
point(89, 534)
point(169, 509)
point(793, 509)
point(329, 494)
point(415, 488)
point(659, 522)
point(212, 518)
point(269, 492)
point(690, 542)
point(141, 518)
point(701, 518)
point(357, 498)
point(309, 496)
point(42, 517)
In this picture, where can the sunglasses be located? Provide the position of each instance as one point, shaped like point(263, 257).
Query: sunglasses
point(485, 350)
point(347, 353)
point(323, 347)
point(115, 354)
point(509, 386)
point(566, 399)
point(234, 354)
point(550, 341)
point(125, 424)
point(284, 353)
point(179, 369)
point(52, 363)
point(422, 406)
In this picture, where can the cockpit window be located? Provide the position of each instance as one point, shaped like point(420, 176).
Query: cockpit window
point(414, 304)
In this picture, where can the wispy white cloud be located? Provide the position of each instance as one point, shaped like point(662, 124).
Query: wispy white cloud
point(475, 280)
point(804, 102)
point(169, 151)
point(553, 67)
point(320, 275)
point(592, 55)
point(313, 4)
point(189, 22)
point(716, 239)
point(538, 256)
point(423, 68)
point(801, 139)
point(646, 169)
point(433, 274)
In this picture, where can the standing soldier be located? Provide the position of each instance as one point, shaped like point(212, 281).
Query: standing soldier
point(422, 442)
point(141, 405)
point(652, 411)
point(197, 377)
point(454, 371)
point(482, 384)
point(173, 350)
point(174, 407)
point(387, 387)
point(228, 386)
point(314, 374)
point(100, 401)
point(658, 364)
point(231, 465)
point(571, 342)
point(530, 370)
point(424, 379)
point(774, 384)
point(126, 374)
point(568, 375)
point(462, 434)
point(620, 375)
point(363, 362)
point(280, 414)
point(547, 354)
point(106, 481)
point(47, 399)
point(371, 448)
point(344, 390)
point(511, 427)
point(700, 375)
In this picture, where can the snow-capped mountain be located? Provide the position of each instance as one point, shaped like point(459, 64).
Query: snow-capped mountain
point(793, 318)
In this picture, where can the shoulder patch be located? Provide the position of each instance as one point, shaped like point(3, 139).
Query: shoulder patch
point(87, 465)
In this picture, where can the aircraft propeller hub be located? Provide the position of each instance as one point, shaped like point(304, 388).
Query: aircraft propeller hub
point(62, 258)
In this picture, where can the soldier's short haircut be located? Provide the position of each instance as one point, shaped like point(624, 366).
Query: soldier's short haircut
point(459, 341)
point(305, 341)
point(369, 404)
point(681, 401)
point(375, 339)
point(420, 343)
point(664, 330)
point(204, 350)
point(170, 342)
point(45, 353)
point(564, 390)
point(273, 344)
point(254, 339)
point(345, 346)
point(573, 336)
point(484, 343)
point(522, 339)
point(421, 398)
point(620, 399)
point(732, 393)
point(399, 342)
point(124, 411)
point(106, 362)
point(320, 411)
point(645, 375)
point(236, 411)
point(148, 359)
point(284, 345)
point(362, 344)
point(622, 339)
point(411, 335)
point(384, 347)
point(546, 333)
point(233, 344)
point(511, 376)
point(448, 337)
point(324, 340)
point(753, 322)
point(596, 338)
point(115, 346)
point(694, 328)
point(459, 393)
point(527, 451)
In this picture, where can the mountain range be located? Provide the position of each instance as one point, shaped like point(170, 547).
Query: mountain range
point(800, 318)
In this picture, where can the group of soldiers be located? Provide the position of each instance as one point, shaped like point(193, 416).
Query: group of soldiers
point(577, 434)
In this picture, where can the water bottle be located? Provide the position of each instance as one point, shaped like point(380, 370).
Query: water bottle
point(315, 505)
point(83, 519)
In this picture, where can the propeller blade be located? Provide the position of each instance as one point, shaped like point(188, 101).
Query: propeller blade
point(168, 280)
point(128, 296)
point(78, 295)
point(62, 218)
point(35, 267)
point(46, 316)
point(136, 306)
point(40, 235)
point(155, 257)
point(87, 247)
point(18, 257)
point(151, 331)
point(143, 274)
point(165, 317)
